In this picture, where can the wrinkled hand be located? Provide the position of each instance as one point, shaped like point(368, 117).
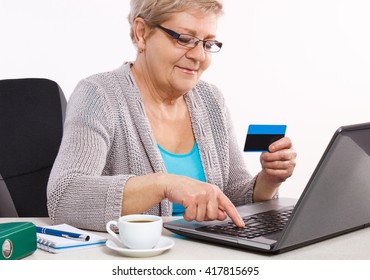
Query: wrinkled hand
point(278, 164)
point(202, 201)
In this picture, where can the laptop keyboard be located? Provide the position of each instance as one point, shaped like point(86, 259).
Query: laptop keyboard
point(255, 225)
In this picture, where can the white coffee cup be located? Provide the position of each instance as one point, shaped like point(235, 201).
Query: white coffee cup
point(137, 231)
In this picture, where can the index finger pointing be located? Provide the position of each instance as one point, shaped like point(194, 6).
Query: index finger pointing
point(229, 208)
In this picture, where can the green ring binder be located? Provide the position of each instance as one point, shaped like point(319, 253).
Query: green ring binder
point(17, 240)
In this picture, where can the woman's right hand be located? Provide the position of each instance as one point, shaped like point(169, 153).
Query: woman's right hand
point(202, 201)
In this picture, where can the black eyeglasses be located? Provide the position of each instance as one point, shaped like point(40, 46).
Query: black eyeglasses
point(191, 41)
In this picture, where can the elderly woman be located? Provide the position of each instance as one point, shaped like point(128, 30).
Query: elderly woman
point(151, 137)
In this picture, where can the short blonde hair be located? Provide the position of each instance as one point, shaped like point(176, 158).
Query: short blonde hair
point(155, 12)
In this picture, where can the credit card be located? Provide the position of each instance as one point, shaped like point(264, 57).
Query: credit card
point(261, 136)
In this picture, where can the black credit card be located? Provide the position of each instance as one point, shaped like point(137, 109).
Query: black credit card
point(261, 136)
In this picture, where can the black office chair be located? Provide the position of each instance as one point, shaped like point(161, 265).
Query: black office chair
point(31, 127)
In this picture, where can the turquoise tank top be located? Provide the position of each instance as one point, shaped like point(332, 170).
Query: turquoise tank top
point(188, 164)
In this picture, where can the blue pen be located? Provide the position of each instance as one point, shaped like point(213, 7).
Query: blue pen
point(65, 234)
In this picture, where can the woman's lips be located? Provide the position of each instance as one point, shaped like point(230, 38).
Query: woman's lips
point(188, 70)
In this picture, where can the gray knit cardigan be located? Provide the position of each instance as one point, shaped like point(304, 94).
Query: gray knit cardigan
point(107, 139)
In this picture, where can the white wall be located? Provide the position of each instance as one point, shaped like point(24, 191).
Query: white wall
point(302, 63)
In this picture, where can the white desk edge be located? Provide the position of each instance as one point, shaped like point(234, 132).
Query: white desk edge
point(351, 246)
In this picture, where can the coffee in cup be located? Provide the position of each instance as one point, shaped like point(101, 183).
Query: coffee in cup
point(137, 231)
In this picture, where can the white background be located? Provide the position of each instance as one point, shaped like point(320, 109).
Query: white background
point(302, 63)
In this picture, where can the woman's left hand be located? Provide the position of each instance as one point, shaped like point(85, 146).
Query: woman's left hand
point(278, 164)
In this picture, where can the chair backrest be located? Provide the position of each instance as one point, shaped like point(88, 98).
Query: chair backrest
point(31, 127)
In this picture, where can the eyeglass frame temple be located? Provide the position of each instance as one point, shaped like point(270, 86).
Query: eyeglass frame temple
point(176, 36)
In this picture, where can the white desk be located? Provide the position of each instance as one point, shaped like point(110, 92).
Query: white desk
point(351, 246)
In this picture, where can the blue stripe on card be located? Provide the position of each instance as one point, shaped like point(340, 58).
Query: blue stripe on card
point(266, 129)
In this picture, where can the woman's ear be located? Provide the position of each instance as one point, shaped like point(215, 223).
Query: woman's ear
point(140, 30)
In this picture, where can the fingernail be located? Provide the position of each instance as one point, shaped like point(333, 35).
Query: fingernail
point(242, 222)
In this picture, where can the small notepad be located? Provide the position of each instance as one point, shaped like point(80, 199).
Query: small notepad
point(56, 244)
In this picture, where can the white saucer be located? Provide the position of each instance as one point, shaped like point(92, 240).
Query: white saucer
point(163, 244)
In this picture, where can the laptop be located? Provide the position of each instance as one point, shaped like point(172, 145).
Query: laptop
point(336, 200)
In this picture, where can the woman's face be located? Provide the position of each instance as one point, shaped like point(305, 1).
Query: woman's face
point(173, 68)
